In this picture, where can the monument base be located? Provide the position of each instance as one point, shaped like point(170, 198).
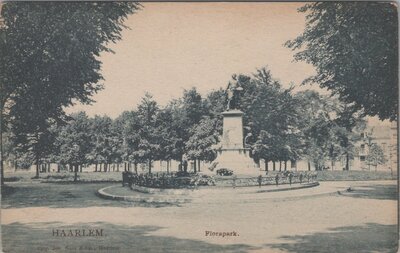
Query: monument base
point(237, 160)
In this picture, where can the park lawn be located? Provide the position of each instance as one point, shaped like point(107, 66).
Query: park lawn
point(58, 195)
point(355, 175)
point(363, 221)
point(114, 176)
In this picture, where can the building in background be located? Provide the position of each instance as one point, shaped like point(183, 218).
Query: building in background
point(377, 148)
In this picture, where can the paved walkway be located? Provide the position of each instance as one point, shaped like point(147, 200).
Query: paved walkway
point(210, 193)
point(315, 219)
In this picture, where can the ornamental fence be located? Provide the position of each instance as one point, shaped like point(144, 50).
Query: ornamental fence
point(178, 180)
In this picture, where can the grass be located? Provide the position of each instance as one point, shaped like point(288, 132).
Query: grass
point(354, 175)
point(334, 223)
point(97, 177)
point(117, 239)
point(370, 237)
point(58, 195)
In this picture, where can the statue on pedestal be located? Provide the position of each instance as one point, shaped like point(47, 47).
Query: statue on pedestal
point(233, 91)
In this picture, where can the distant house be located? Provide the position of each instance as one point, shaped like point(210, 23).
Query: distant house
point(385, 136)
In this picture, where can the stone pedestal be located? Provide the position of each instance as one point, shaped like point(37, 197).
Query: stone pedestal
point(232, 154)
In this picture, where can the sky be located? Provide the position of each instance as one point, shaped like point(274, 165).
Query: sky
point(175, 46)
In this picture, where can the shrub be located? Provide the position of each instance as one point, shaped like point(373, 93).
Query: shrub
point(182, 174)
point(165, 181)
point(224, 172)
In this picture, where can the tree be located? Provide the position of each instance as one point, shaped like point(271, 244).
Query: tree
point(130, 137)
point(203, 137)
point(116, 143)
point(168, 128)
point(102, 149)
point(349, 123)
point(354, 48)
point(74, 141)
point(149, 143)
point(375, 156)
point(263, 148)
point(260, 104)
point(318, 128)
point(50, 50)
point(330, 128)
point(270, 118)
point(33, 136)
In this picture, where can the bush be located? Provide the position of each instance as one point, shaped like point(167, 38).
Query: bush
point(224, 172)
point(166, 181)
point(182, 174)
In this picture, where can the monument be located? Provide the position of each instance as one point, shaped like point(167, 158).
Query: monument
point(232, 153)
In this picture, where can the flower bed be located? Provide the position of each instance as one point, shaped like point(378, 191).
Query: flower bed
point(166, 181)
point(286, 177)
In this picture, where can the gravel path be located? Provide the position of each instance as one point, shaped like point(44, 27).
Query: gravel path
point(308, 220)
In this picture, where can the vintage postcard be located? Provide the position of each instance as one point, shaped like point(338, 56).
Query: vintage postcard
point(199, 127)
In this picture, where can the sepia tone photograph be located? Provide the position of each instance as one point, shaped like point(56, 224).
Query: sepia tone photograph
point(189, 127)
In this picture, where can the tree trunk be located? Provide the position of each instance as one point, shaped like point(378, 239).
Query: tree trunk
point(149, 166)
point(309, 165)
point(95, 167)
point(1, 147)
point(266, 164)
point(80, 168)
point(347, 161)
point(195, 165)
point(273, 166)
point(280, 165)
point(100, 167)
point(198, 167)
point(168, 166)
point(117, 167)
point(135, 167)
point(76, 173)
point(293, 165)
point(113, 166)
point(37, 167)
point(49, 167)
point(16, 163)
point(332, 163)
point(58, 168)
point(285, 166)
point(105, 167)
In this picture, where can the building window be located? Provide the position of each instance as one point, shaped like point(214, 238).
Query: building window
point(362, 158)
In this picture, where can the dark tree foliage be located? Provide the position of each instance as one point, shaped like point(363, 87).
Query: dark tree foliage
point(270, 117)
point(49, 53)
point(354, 48)
point(149, 142)
point(52, 49)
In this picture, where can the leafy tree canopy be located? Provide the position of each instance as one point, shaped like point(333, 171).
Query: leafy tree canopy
point(354, 48)
point(53, 48)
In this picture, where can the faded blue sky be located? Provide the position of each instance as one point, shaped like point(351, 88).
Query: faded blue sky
point(175, 46)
